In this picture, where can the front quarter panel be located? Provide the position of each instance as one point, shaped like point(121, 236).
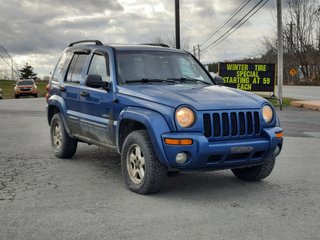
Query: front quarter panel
point(153, 121)
point(58, 102)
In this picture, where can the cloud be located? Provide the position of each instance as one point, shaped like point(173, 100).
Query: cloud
point(43, 28)
point(42, 25)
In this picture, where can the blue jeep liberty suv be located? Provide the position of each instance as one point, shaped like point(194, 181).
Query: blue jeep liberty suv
point(160, 109)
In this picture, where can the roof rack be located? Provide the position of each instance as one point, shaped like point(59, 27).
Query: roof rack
point(156, 44)
point(84, 41)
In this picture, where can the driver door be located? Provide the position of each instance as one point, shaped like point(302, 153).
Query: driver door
point(97, 104)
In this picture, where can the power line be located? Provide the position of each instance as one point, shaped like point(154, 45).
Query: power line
point(235, 12)
point(5, 56)
point(238, 22)
point(236, 26)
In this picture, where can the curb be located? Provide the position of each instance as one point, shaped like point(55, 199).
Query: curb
point(312, 105)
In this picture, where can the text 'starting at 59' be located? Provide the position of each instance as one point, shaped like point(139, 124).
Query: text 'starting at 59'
point(248, 76)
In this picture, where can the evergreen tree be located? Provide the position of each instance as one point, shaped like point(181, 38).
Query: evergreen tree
point(27, 72)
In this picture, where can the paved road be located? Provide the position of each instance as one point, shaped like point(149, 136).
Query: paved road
point(42, 197)
point(308, 93)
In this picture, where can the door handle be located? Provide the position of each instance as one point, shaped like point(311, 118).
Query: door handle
point(62, 89)
point(84, 94)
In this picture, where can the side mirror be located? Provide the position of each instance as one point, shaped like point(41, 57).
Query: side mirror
point(95, 81)
point(218, 80)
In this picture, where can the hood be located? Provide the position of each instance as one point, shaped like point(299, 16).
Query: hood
point(24, 86)
point(199, 97)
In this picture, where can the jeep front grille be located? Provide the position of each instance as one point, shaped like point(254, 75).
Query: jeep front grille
point(231, 124)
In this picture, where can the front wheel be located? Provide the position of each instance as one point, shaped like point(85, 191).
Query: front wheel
point(63, 145)
point(255, 173)
point(141, 169)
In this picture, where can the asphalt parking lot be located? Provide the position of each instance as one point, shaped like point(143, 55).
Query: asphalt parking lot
point(42, 197)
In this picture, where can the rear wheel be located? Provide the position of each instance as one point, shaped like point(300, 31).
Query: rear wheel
point(16, 96)
point(63, 145)
point(255, 173)
point(141, 169)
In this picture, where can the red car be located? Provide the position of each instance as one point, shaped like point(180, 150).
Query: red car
point(25, 87)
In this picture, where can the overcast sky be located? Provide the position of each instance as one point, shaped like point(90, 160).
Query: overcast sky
point(37, 31)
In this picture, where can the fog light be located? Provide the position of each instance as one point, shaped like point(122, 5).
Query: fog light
point(181, 158)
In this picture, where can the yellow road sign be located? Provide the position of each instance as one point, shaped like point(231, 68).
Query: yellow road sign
point(293, 72)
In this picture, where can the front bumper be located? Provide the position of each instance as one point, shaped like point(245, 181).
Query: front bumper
point(25, 93)
point(203, 154)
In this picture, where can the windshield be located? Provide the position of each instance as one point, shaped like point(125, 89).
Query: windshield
point(159, 66)
point(27, 82)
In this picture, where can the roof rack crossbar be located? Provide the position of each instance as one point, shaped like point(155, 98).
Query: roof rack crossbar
point(156, 44)
point(84, 41)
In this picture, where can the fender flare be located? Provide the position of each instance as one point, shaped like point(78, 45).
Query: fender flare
point(155, 124)
point(59, 103)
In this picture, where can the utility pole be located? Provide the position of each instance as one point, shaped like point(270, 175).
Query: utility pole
point(280, 51)
point(177, 13)
point(194, 51)
point(291, 37)
point(291, 44)
point(12, 69)
point(199, 52)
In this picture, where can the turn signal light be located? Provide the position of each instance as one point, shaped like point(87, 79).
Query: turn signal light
point(173, 141)
point(279, 134)
point(47, 94)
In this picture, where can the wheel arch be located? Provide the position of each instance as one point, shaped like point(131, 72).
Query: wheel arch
point(57, 105)
point(52, 110)
point(133, 118)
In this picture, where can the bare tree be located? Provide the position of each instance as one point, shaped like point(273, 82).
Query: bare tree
point(300, 32)
point(171, 41)
point(301, 37)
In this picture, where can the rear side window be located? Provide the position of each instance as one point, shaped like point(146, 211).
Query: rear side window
point(62, 67)
point(76, 68)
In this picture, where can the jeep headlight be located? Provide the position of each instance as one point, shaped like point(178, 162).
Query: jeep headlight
point(267, 113)
point(185, 117)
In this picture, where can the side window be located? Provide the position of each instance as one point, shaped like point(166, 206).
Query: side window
point(62, 67)
point(100, 65)
point(76, 68)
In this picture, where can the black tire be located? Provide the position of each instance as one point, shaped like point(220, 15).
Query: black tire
point(16, 96)
point(143, 172)
point(255, 173)
point(36, 95)
point(63, 145)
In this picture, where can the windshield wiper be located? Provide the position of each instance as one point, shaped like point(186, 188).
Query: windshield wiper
point(150, 80)
point(187, 80)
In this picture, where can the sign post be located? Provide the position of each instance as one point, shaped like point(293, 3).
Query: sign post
point(280, 51)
